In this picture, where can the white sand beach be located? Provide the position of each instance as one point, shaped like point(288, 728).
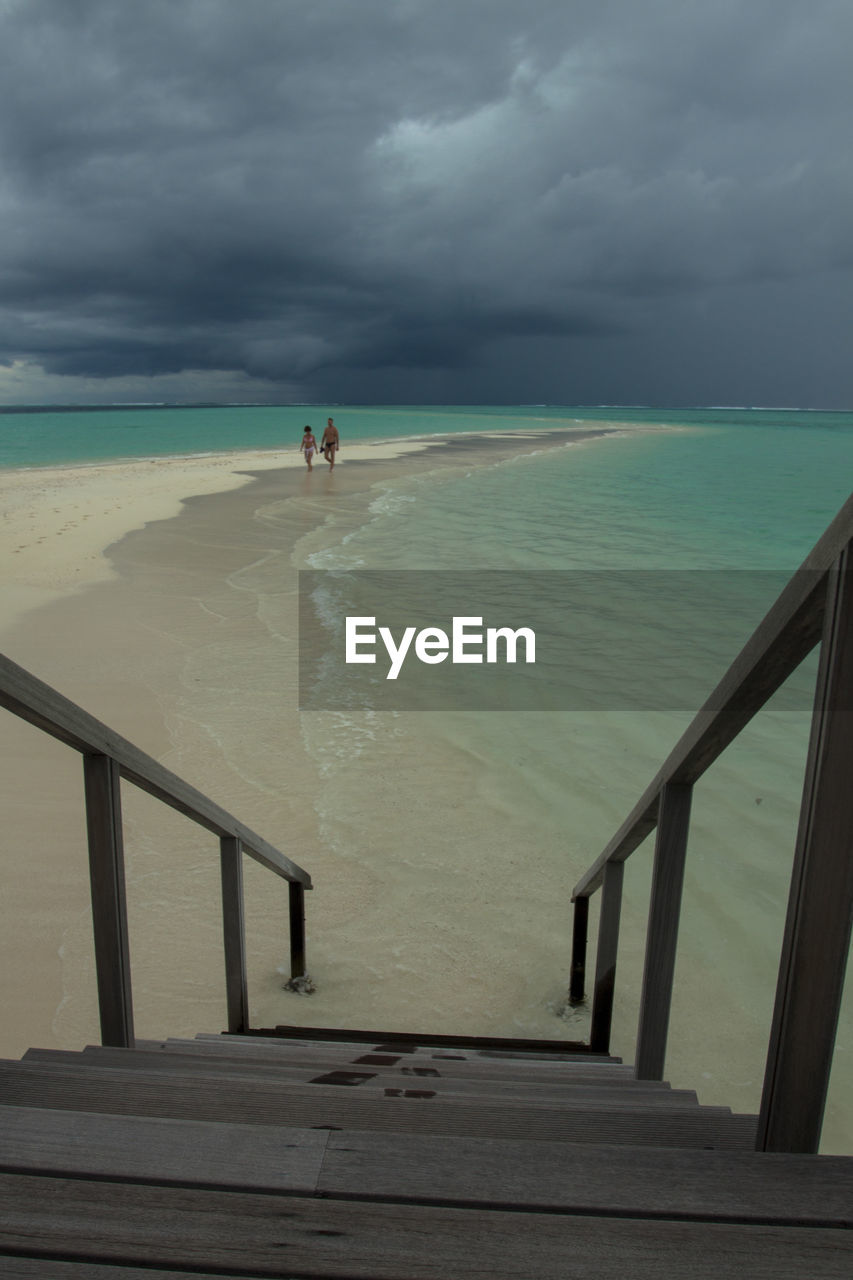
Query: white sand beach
point(58, 522)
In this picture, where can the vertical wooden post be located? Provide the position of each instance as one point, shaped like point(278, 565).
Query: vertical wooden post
point(820, 905)
point(605, 966)
point(579, 936)
point(662, 935)
point(297, 930)
point(109, 905)
point(234, 931)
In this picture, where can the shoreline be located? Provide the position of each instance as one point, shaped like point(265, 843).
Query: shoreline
point(48, 547)
point(59, 522)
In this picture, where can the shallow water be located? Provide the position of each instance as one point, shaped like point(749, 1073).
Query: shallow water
point(476, 825)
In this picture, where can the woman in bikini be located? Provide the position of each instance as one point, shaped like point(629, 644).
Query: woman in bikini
point(308, 446)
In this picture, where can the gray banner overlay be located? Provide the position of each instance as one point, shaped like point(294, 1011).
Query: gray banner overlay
point(650, 640)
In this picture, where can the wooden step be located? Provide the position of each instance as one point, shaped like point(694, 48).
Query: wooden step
point(511, 1175)
point(323, 1056)
point(449, 1060)
point(81, 1086)
point(379, 1077)
point(500, 1045)
point(171, 1161)
point(227, 1232)
point(636, 1095)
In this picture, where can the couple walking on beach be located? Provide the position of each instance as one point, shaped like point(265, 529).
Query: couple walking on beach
point(328, 446)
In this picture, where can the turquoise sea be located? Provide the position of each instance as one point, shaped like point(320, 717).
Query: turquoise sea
point(497, 814)
point(742, 486)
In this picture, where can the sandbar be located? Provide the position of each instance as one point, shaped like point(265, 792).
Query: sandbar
point(58, 522)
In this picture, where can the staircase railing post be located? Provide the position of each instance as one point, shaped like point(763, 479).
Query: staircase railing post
point(577, 979)
point(102, 780)
point(662, 936)
point(297, 930)
point(233, 924)
point(820, 906)
point(605, 965)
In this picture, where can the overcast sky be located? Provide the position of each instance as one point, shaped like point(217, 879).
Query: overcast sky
point(447, 201)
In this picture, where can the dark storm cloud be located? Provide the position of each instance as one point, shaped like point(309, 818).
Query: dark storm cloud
point(475, 199)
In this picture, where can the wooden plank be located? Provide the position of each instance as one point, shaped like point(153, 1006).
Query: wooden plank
point(820, 906)
point(662, 930)
point(233, 1101)
point(509, 1174)
point(273, 1044)
point(282, 1235)
point(605, 966)
point(17, 1268)
point(786, 635)
point(109, 903)
point(233, 926)
point(285, 1044)
point(39, 704)
point(404, 1042)
point(448, 1062)
point(381, 1055)
point(160, 1150)
point(493, 1045)
point(373, 1076)
point(631, 1181)
point(380, 1058)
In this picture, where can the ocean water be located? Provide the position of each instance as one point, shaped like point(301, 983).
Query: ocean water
point(465, 831)
point(74, 435)
point(50, 437)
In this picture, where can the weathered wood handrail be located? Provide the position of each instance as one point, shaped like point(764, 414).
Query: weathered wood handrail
point(108, 758)
point(816, 607)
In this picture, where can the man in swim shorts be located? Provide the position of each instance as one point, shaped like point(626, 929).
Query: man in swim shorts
point(330, 443)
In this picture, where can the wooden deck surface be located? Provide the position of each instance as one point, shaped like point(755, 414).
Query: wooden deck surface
point(222, 1158)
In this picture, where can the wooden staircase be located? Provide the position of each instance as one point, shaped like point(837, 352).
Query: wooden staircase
point(330, 1154)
